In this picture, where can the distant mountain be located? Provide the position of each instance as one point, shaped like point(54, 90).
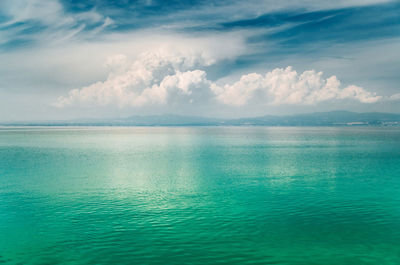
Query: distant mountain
point(170, 120)
point(333, 118)
point(151, 120)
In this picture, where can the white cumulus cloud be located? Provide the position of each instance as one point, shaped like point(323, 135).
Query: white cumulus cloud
point(394, 97)
point(154, 78)
point(165, 77)
point(286, 86)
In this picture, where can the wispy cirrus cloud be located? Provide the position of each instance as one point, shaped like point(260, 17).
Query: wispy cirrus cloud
point(45, 22)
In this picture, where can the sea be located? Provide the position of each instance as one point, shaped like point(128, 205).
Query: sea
point(200, 195)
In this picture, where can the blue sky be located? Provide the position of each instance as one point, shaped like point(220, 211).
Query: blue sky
point(62, 59)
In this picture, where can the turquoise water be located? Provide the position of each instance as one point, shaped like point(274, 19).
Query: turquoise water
point(203, 195)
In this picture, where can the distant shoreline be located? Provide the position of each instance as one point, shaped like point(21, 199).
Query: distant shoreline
point(319, 119)
point(185, 125)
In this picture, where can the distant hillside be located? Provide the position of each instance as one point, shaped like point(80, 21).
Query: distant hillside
point(170, 120)
point(334, 118)
point(338, 118)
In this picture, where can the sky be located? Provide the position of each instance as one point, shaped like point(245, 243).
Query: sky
point(67, 59)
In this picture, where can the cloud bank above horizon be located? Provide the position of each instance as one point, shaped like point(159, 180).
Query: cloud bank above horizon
point(71, 59)
point(167, 77)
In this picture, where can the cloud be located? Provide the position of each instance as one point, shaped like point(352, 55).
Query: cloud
point(47, 22)
point(286, 86)
point(165, 77)
point(394, 97)
point(153, 78)
point(52, 46)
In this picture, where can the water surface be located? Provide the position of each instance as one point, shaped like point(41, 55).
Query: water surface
point(217, 195)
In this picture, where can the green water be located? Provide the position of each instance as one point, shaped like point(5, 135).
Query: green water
point(200, 196)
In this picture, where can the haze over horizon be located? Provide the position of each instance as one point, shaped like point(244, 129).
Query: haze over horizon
point(63, 59)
